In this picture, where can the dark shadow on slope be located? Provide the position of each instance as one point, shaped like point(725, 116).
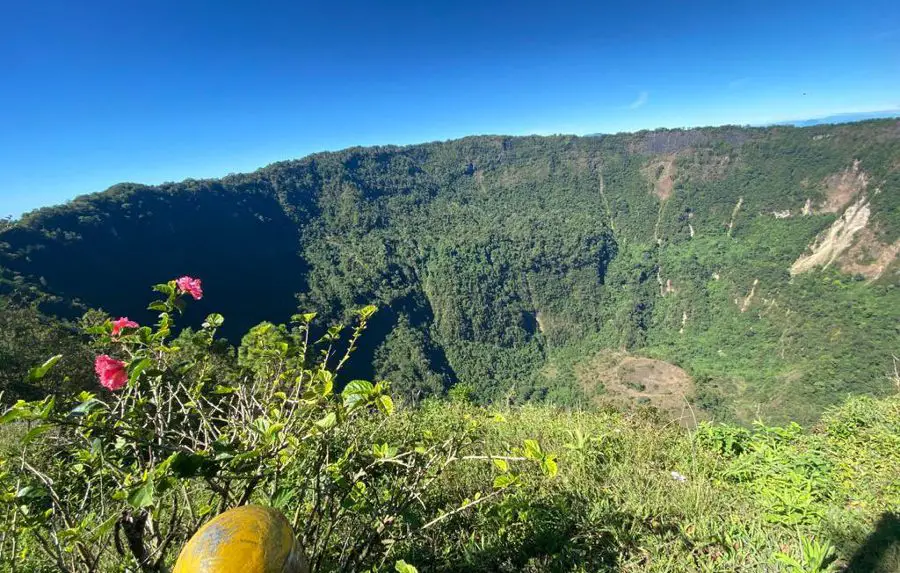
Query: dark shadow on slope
point(415, 312)
point(243, 248)
point(881, 549)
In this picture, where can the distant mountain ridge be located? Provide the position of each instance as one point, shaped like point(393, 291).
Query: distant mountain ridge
point(760, 263)
point(824, 120)
point(844, 118)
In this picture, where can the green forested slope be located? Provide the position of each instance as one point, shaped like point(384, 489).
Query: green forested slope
point(510, 263)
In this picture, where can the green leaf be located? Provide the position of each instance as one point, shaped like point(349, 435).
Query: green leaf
point(167, 289)
point(385, 404)
point(502, 465)
point(549, 466)
point(355, 392)
point(305, 318)
point(16, 412)
point(504, 480)
point(219, 389)
point(142, 495)
point(327, 422)
point(38, 372)
point(136, 369)
point(103, 528)
point(533, 450)
point(214, 320)
point(158, 305)
point(185, 465)
point(366, 312)
point(87, 406)
point(404, 567)
point(47, 407)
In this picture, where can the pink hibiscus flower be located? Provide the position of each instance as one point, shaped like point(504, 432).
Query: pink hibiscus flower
point(191, 286)
point(111, 372)
point(121, 323)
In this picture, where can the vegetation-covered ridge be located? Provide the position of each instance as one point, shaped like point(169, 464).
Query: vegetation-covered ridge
point(755, 267)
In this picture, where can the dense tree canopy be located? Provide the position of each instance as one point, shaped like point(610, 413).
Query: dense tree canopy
point(508, 262)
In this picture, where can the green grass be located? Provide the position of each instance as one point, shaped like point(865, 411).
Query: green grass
point(752, 499)
point(769, 498)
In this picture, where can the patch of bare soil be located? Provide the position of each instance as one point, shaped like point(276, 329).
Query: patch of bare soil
point(836, 240)
point(869, 256)
point(842, 188)
point(749, 298)
point(625, 381)
point(541, 322)
point(661, 173)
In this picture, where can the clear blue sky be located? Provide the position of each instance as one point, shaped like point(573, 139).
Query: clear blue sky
point(95, 92)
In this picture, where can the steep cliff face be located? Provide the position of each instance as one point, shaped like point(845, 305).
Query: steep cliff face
point(497, 260)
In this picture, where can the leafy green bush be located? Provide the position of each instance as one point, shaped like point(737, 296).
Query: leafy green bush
point(123, 477)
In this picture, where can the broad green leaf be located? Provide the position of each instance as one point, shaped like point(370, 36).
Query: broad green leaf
point(87, 406)
point(366, 312)
point(355, 392)
point(136, 369)
point(273, 429)
point(502, 465)
point(214, 320)
point(304, 318)
point(158, 306)
point(185, 465)
point(549, 466)
point(404, 567)
point(327, 422)
point(219, 389)
point(38, 372)
point(385, 404)
point(26, 491)
point(16, 412)
point(142, 495)
point(532, 450)
point(47, 407)
point(504, 480)
point(165, 288)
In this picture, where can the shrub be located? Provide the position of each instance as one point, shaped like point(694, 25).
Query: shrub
point(122, 477)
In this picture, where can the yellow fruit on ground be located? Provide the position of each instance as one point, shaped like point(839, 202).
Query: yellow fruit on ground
point(246, 539)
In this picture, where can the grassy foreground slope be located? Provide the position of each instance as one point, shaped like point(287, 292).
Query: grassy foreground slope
point(634, 494)
point(760, 261)
point(750, 500)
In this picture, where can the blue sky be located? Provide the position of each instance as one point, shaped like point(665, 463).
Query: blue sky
point(97, 92)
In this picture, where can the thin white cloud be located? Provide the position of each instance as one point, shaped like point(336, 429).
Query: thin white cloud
point(738, 83)
point(640, 101)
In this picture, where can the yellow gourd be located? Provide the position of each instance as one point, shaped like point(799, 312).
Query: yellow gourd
point(246, 539)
